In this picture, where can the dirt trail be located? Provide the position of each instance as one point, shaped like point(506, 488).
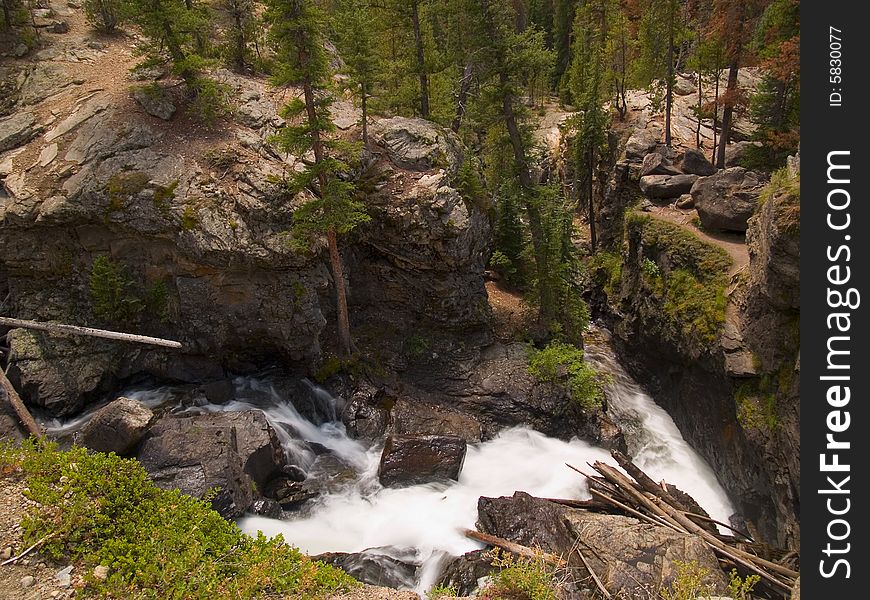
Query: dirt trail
point(733, 243)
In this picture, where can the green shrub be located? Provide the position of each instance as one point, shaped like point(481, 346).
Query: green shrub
point(693, 288)
point(113, 295)
point(441, 591)
point(558, 362)
point(210, 101)
point(163, 195)
point(739, 588)
point(99, 509)
point(689, 584)
point(521, 579)
point(189, 220)
point(104, 15)
point(607, 272)
point(756, 402)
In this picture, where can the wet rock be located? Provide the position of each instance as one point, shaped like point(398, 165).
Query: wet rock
point(664, 187)
point(694, 162)
point(410, 418)
point(372, 567)
point(155, 101)
point(465, 572)
point(266, 507)
point(655, 163)
point(727, 199)
point(117, 427)
point(198, 453)
point(413, 460)
point(17, 130)
point(417, 144)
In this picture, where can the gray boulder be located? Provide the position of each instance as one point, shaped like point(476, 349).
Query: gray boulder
point(641, 143)
point(695, 163)
point(665, 187)
point(417, 144)
point(118, 426)
point(155, 101)
point(727, 199)
point(421, 459)
point(184, 454)
point(235, 451)
point(736, 152)
point(655, 163)
point(17, 130)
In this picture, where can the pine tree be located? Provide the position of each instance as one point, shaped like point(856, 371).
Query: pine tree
point(241, 33)
point(732, 24)
point(590, 78)
point(775, 107)
point(504, 58)
point(296, 35)
point(354, 28)
point(659, 31)
point(105, 15)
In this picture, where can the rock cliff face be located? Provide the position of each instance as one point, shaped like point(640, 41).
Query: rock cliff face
point(114, 218)
point(732, 389)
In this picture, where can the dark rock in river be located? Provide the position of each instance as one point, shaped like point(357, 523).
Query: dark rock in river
point(180, 453)
point(238, 451)
point(372, 567)
point(422, 459)
point(117, 427)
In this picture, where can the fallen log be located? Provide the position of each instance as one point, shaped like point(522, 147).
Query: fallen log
point(18, 406)
point(513, 547)
point(60, 328)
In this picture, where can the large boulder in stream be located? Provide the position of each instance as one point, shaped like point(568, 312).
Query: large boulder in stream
point(118, 426)
point(237, 452)
point(421, 459)
point(630, 556)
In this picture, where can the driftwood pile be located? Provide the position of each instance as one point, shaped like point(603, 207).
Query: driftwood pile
point(639, 496)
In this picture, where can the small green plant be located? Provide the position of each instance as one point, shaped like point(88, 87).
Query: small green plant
point(123, 186)
point(100, 509)
point(163, 195)
point(156, 300)
point(650, 269)
point(521, 579)
point(606, 268)
point(211, 100)
point(689, 583)
point(441, 591)
point(417, 344)
point(756, 404)
point(559, 361)
point(113, 294)
point(740, 588)
point(189, 220)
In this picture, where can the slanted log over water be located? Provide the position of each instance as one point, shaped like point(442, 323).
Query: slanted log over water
point(18, 406)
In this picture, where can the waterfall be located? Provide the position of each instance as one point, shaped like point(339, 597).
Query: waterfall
point(422, 524)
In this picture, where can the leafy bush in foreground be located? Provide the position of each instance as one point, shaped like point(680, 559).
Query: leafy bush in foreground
point(103, 510)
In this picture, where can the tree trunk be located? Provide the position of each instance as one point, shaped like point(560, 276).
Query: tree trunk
point(716, 112)
point(421, 61)
point(462, 96)
point(365, 115)
point(7, 16)
point(340, 295)
point(331, 237)
point(727, 113)
point(669, 91)
point(593, 236)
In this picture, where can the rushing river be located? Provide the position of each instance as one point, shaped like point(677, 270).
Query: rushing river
point(423, 524)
